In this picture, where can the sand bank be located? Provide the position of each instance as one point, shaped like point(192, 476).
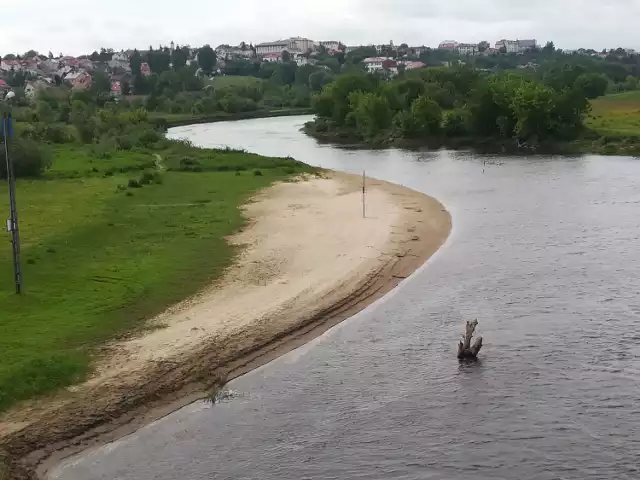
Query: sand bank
point(309, 261)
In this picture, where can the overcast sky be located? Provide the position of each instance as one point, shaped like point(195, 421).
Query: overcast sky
point(78, 26)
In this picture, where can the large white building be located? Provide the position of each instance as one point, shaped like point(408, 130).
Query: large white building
point(516, 46)
point(272, 47)
point(292, 45)
point(467, 48)
point(331, 45)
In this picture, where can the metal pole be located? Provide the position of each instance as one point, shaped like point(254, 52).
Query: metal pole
point(363, 196)
point(13, 221)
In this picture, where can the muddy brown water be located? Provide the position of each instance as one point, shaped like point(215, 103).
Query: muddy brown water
point(545, 252)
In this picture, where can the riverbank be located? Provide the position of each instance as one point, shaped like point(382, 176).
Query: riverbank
point(590, 142)
point(179, 120)
point(296, 278)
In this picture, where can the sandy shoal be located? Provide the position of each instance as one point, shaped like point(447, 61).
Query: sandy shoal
point(309, 260)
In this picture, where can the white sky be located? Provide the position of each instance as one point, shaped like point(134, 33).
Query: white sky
point(75, 27)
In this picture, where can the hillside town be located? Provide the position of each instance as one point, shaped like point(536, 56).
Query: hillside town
point(32, 69)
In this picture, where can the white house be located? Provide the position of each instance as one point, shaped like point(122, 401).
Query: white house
point(467, 48)
point(414, 65)
point(376, 64)
point(272, 57)
point(301, 44)
point(448, 45)
point(272, 47)
point(331, 45)
point(121, 56)
point(292, 45)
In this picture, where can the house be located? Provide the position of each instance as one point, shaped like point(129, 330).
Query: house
point(272, 47)
point(119, 65)
point(145, 70)
point(516, 46)
point(8, 65)
point(352, 48)
point(331, 45)
point(226, 51)
point(375, 64)
point(272, 58)
point(303, 60)
point(292, 45)
point(116, 89)
point(82, 82)
point(524, 45)
point(121, 57)
point(467, 49)
point(510, 46)
point(417, 51)
point(4, 87)
point(414, 65)
point(383, 48)
point(71, 75)
point(448, 45)
point(390, 66)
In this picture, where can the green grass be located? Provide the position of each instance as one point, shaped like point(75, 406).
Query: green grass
point(235, 81)
point(616, 115)
point(99, 258)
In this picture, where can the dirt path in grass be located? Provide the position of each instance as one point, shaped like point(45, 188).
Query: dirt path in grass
point(310, 261)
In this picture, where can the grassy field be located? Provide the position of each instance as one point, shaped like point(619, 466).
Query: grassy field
point(100, 254)
point(235, 81)
point(616, 115)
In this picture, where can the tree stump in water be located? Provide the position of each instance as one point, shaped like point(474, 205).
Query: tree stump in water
point(465, 350)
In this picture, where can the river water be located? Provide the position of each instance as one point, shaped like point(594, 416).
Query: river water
point(545, 252)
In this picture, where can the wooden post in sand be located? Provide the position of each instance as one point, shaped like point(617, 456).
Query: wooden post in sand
point(364, 211)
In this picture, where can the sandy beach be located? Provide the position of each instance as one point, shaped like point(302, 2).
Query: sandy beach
point(309, 260)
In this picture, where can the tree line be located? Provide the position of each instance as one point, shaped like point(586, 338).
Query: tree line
point(443, 103)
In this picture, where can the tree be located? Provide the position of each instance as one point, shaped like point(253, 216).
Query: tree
point(30, 54)
point(592, 85)
point(631, 83)
point(45, 112)
point(286, 57)
point(94, 57)
point(50, 55)
point(100, 84)
point(320, 78)
point(179, 57)
point(126, 88)
point(135, 62)
point(207, 59)
point(331, 63)
point(426, 115)
point(9, 56)
point(483, 46)
point(549, 48)
point(371, 113)
point(159, 60)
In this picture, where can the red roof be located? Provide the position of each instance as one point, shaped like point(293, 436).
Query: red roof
point(389, 64)
point(3, 84)
point(414, 65)
point(116, 87)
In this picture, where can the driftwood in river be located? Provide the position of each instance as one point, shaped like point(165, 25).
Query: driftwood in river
point(465, 350)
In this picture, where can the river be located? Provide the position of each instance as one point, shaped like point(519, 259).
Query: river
point(545, 252)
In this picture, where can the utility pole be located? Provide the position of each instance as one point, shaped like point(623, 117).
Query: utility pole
point(12, 223)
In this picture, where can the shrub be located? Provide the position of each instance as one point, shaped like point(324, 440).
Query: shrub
point(257, 173)
point(146, 178)
point(133, 183)
point(28, 157)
